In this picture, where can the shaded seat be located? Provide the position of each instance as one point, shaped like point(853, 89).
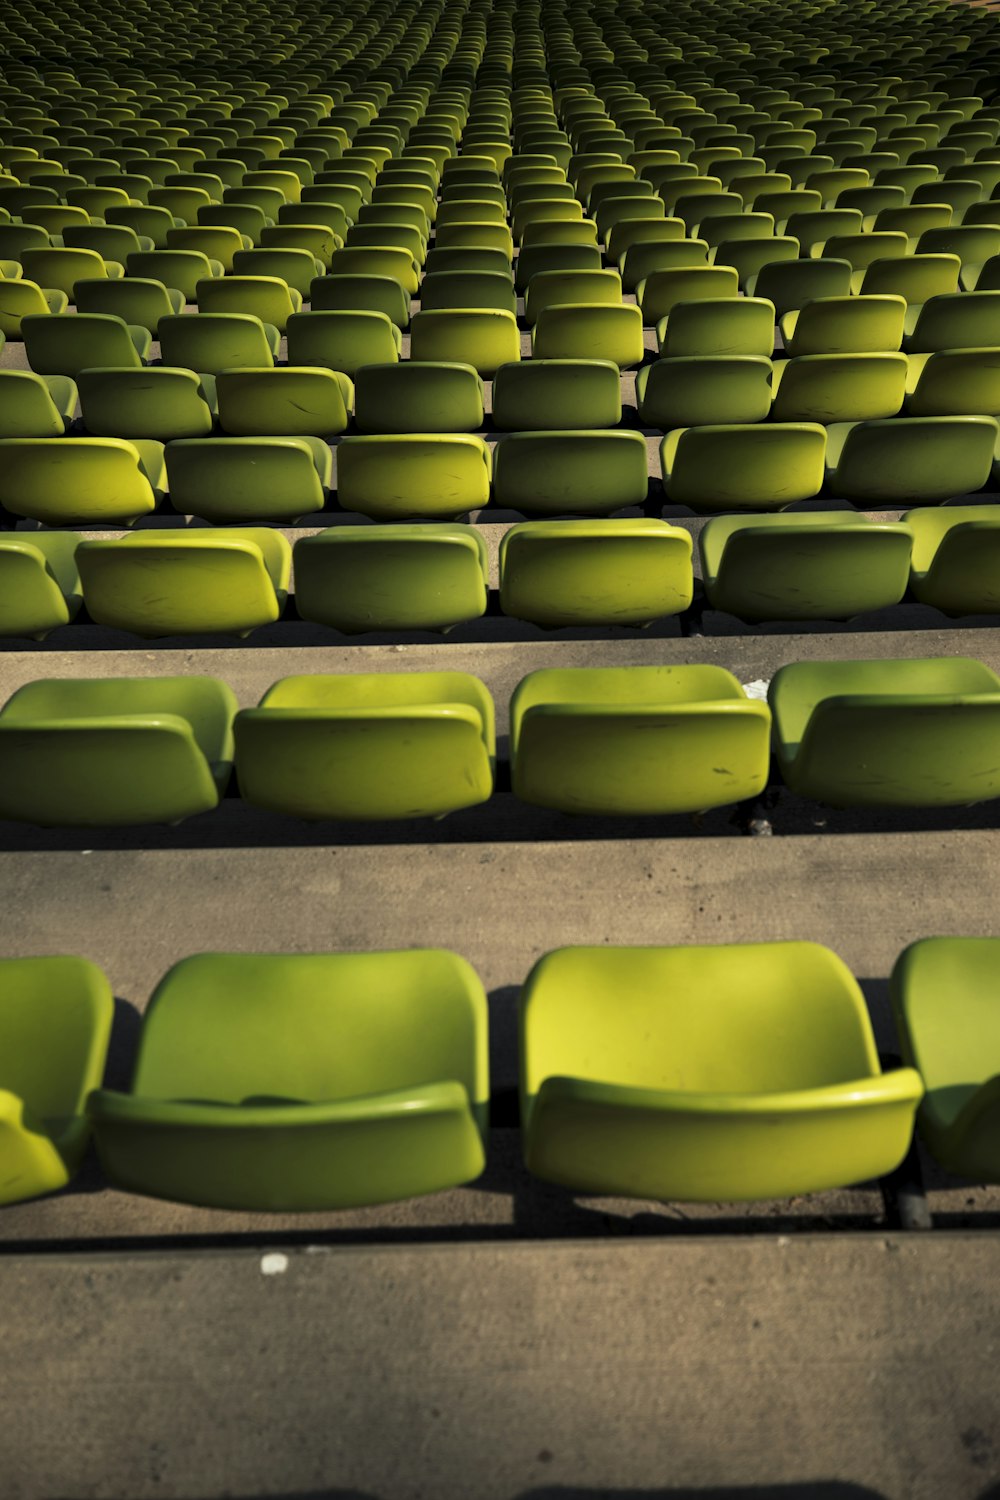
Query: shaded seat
point(729, 1072)
point(467, 260)
point(183, 270)
point(743, 466)
point(959, 320)
point(176, 583)
point(468, 289)
point(112, 242)
point(160, 402)
point(589, 332)
point(927, 459)
point(137, 301)
point(688, 390)
point(55, 1024)
point(289, 401)
point(377, 260)
point(661, 291)
point(22, 299)
point(595, 572)
point(394, 477)
point(220, 242)
point(112, 752)
point(39, 582)
point(266, 297)
point(363, 294)
point(76, 480)
point(484, 235)
point(35, 405)
point(845, 325)
point(62, 268)
point(380, 746)
point(908, 733)
point(213, 342)
point(809, 565)
point(562, 288)
point(636, 740)
point(320, 1081)
point(534, 260)
point(557, 393)
point(419, 577)
point(719, 325)
point(974, 244)
point(956, 558)
point(249, 478)
point(67, 345)
point(414, 397)
point(343, 340)
point(838, 387)
point(954, 382)
point(648, 256)
point(296, 268)
point(943, 996)
point(915, 277)
point(748, 257)
point(317, 240)
point(790, 284)
point(483, 338)
point(578, 472)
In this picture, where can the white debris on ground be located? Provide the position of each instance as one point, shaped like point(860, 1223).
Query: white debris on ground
point(757, 689)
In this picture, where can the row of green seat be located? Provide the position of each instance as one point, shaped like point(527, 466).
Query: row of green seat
point(604, 740)
point(326, 1081)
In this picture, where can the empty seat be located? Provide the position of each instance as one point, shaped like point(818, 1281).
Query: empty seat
point(845, 325)
point(687, 391)
point(483, 338)
point(466, 289)
point(394, 477)
point(384, 745)
point(954, 382)
point(961, 320)
point(943, 996)
point(792, 283)
point(661, 291)
point(706, 1073)
point(138, 302)
point(413, 397)
point(839, 387)
point(595, 572)
point(55, 1024)
point(562, 288)
point(419, 577)
point(749, 257)
point(589, 332)
point(577, 472)
point(176, 583)
point(810, 565)
point(61, 269)
point(915, 277)
point(266, 297)
point(723, 325)
point(213, 342)
point(67, 345)
point(910, 458)
point(249, 478)
point(183, 270)
point(160, 402)
point(35, 405)
point(956, 554)
point(76, 480)
point(361, 293)
point(533, 260)
point(743, 467)
point(636, 740)
point(343, 341)
point(646, 257)
point(377, 260)
point(290, 401)
point(550, 394)
point(22, 299)
point(39, 582)
point(379, 1061)
point(908, 733)
point(112, 752)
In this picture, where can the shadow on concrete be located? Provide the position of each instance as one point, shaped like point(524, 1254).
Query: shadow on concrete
point(807, 1489)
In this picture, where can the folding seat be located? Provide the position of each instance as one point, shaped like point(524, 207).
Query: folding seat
point(412, 397)
point(372, 1121)
point(791, 284)
point(429, 576)
point(943, 1002)
point(551, 394)
point(289, 401)
point(917, 277)
point(808, 565)
point(582, 472)
point(814, 227)
point(39, 582)
point(955, 555)
point(595, 572)
point(380, 746)
point(296, 268)
point(111, 752)
point(61, 269)
point(720, 325)
point(344, 195)
point(468, 289)
point(649, 256)
point(954, 382)
point(484, 338)
point(55, 1023)
point(863, 249)
point(160, 402)
point(743, 466)
point(590, 332)
point(661, 291)
point(183, 270)
point(836, 180)
point(632, 1083)
point(907, 733)
point(974, 244)
point(67, 345)
point(922, 459)
point(845, 325)
point(479, 235)
point(249, 479)
point(636, 740)
point(155, 583)
point(839, 387)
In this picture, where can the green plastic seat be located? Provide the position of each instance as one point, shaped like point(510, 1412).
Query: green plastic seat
point(838, 387)
point(535, 260)
point(590, 332)
point(730, 1072)
point(296, 268)
point(112, 752)
point(917, 278)
point(845, 325)
point(377, 260)
point(646, 256)
point(39, 582)
point(16, 238)
point(595, 572)
point(566, 288)
point(550, 394)
point(61, 268)
point(77, 480)
point(362, 294)
point(943, 996)
point(924, 459)
point(482, 338)
point(955, 555)
point(409, 237)
point(138, 301)
point(213, 342)
point(688, 391)
point(342, 340)
point(483, 235)
point(961, 320)
point(249, 479)
point(412, 398)
point(35, 406)
point(763, 466)
point(160, 402)
point(112, 242)
point(720, 325)
point(67, 345)
point(954, 382)
point(809, 565)
point(748, 257)
point(381, 746)
point(661, 291)
point(22, 299)
point(468, 289)
point(636, 740)
point(814, 227)
point(183, 270)
point(581, 472)
point(540, 232)
point(55, 1024)
point(265, 297)
point(908, 733)
point(395, 477)
point(466, 260)
point(177, 583)
point(974, 244)
point(321, 1081)
point(248, 220)
point(791, 284)
point(419, 577)
point(290, 401)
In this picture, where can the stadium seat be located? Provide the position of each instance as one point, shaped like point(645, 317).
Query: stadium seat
point(137, 301)
point(35, 406)
point(561, 256)
point(22, 299)
point(67, 345)
point(290, 401)
point(845, 325)
point(79, 480)
point(249, 479)
point(838, 387)
point(578, 472)
point(955, 554)
point(553, 394)
point(265, 297)
point(724, 325)
point(491, 290)
point(562, 288)
point(791, 284)
point(689, 390)
point(61, 269)
point(743, 467)
point(590, 332)
point(411, 397)
point(213, 342)
point(379, 1061)
point(636, 740)
point(485, 339)
point(39, 582)
point(396, 477)
point(362, 294)
point(926, 459)
point(185, 271)
point(660, 292)
point(113, 752)
point(379, 746)
point(159, 402)
point(918, 278)
point(954, 382)
point(908, 733)
point(961, 320)
point(420, 577)
point(632, 1082)
point(343, 341)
